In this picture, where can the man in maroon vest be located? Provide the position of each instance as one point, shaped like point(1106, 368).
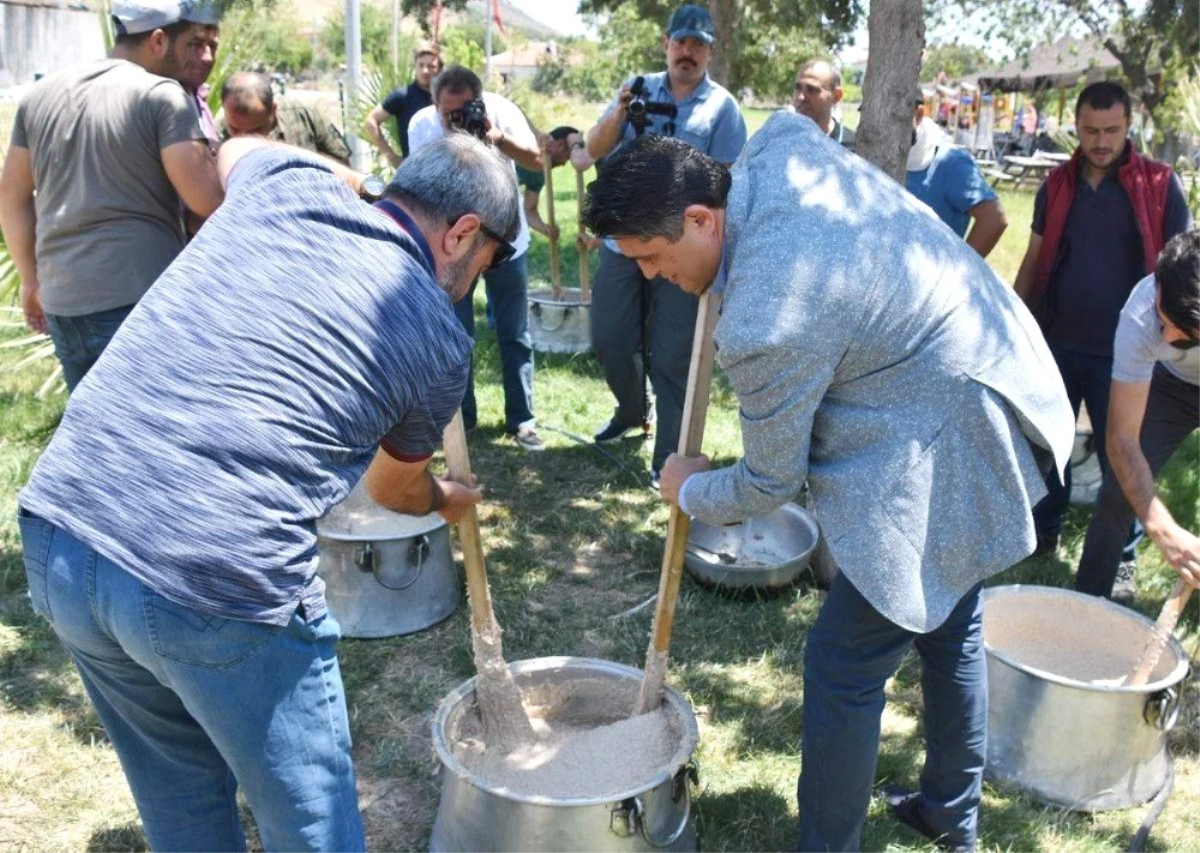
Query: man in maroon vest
point(1099, 222)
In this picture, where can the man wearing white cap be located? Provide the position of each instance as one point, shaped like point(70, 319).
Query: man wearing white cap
point(111, 149)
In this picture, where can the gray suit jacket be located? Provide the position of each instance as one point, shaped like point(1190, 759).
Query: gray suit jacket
point(876, 354)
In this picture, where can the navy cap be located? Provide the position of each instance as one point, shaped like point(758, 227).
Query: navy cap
point(142, 16)
point(201, 12)
point(691, 22)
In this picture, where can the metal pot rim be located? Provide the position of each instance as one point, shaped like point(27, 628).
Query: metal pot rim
point(433, 522)
point(1177, 674)
point(689, 740)
point(546, 296)
point(734, 576)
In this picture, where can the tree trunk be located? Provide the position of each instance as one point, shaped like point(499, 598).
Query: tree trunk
point(724, 15)
point(896, 30)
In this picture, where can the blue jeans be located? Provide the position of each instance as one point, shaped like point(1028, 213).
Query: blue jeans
point(1087, 378)
point(507, 290)
point(197, 706)
point(78, 341)
point(851, 652)
point(1172, 414)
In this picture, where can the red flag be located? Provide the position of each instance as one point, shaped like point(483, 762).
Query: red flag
point(496, 15)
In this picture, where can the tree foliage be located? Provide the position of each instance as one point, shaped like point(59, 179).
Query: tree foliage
point(375, 25)
point(1146, 38)
point(953, 59)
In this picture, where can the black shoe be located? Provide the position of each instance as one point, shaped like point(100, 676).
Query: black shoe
point(1047, 544)
point(905, 806)
point(1125, 585)
point(613, 430)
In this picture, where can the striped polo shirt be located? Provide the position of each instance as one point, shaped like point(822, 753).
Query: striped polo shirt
point(249, 390)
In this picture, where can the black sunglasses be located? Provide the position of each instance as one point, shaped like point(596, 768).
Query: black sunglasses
point(504, 249)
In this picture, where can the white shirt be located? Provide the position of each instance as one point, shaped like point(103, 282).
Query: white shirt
point(1139, 342)
point(426, 127)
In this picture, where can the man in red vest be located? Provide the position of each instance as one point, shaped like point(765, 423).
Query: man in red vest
point(1099, 222)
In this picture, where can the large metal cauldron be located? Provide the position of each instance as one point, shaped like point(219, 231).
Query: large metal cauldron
point(768, 552)
point(385, 574)
point(653, 815)
point(1062, 727)
point(559, 325)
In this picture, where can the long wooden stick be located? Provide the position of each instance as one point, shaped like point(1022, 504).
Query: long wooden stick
point(585, 286)
point(505, 722)
point(695, 411)
point(548, 172)
point(1163, 628)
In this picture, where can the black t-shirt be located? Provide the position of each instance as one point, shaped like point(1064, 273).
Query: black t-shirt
point(404, 103)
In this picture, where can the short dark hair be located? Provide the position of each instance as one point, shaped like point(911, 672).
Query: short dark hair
point(242, 85)
point(1103, 96)
point(456, 78)
point(562, 132)
point(643, 191)
point(1177, 275)
point(128, 40)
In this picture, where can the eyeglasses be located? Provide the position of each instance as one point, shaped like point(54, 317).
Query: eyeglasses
point(504, 249)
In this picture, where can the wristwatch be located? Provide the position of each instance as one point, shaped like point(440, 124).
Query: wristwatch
point(372, 188)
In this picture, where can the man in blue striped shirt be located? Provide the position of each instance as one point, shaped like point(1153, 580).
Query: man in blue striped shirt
point(169, 528)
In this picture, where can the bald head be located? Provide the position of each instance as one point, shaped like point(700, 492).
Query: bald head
point(249, 103)
point(818, 89)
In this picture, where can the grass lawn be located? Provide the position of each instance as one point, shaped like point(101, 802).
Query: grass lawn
point(573, 541)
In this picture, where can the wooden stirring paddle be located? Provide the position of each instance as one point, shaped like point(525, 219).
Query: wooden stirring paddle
point(695, 410)
point(1163, 628)
point(506, 725)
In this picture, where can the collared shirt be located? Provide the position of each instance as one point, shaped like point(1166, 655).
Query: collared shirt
point(426, 127)
point(951, 185)
point(708, 119)
point(304, 127)
point(404, 103)
point(1100, 259)
point(1139, 343)
point(240, 401)
point(843, 135)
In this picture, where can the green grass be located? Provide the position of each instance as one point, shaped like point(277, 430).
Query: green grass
point(573, 541)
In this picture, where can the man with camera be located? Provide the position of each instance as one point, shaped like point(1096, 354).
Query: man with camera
point(684, 103)
point(461, 105)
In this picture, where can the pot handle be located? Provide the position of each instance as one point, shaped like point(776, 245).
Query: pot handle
point(536, 310)
point(367, 559)
point(1162, 709)
point(680, 789)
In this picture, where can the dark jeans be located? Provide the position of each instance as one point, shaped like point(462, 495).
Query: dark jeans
point(851, 652)
point(1087, 379)
point(1172, 413)
point(624, 304)
point(507, 290)
point(78, 341)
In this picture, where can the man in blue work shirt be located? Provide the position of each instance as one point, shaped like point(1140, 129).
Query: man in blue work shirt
point(945, 177)
point(684, 103)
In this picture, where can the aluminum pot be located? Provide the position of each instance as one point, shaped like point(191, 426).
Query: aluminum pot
point(390, 576)
point(767, 552)
point(653, 815)
point(1085, 469)
point(1062, 726)
point(559, 325)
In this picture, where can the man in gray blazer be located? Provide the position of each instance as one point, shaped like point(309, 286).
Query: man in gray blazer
point(876, 355)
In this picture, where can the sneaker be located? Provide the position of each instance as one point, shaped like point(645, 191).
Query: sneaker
point(905, 806)
point(1047, 545)
point(655, 474)
point(613, 431)
point(1125, 585)
point(528, 439)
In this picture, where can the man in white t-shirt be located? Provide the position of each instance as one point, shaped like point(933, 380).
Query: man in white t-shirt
point(1154, 404)
point(457, 95)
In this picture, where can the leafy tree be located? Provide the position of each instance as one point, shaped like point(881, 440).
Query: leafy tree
point(765, 30)
point(375, 24)
point(1146, 37)
point(954, 59)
